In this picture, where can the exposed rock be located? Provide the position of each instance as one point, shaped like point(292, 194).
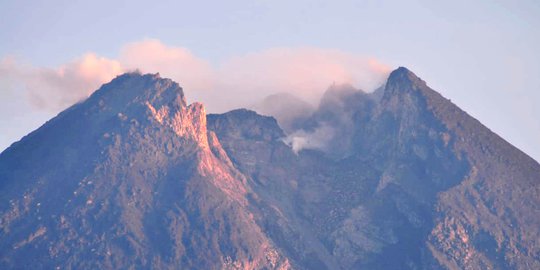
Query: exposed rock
point(134, 178)
point(151, 194)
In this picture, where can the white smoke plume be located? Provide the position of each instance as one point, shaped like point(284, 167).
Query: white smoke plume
point(317, 139)
point(333, 120)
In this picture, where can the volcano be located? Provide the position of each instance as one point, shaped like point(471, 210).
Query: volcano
point(135, 178)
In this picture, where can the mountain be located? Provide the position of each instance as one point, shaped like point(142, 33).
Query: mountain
point(134, 178)
point(128, 179)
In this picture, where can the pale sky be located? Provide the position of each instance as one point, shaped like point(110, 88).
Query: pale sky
point(483, 55)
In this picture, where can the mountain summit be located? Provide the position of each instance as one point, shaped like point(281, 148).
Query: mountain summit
point(128, 179)
point(135, 178)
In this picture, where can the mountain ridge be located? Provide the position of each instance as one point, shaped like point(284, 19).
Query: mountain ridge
point(134, 177)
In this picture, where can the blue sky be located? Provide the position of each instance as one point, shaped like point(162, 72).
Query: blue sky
point(481, 54)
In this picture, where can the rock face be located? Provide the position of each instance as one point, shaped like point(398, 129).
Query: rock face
point(134, 178)
point(127, 179)
point(403, 179)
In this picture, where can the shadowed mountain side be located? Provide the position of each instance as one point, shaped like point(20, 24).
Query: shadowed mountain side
point(409, 185)
point(135, 178)
point(126, 180)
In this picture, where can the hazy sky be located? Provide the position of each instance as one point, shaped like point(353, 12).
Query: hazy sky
point(483, 55)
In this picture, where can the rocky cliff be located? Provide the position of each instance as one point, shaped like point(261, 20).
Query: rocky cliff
point(135, 178)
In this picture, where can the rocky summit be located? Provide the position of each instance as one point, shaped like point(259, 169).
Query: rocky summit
point(135, 178)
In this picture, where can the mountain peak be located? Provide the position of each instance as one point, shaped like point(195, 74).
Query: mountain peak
point(133, 177)
point(402, 80)
point(134, 87)
point(404, 76)
point(402, 72)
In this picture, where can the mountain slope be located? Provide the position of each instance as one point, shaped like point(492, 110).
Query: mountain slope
point(419, 181)
point(134, 178)
point(127, 179)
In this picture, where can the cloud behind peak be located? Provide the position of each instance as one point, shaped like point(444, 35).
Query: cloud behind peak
point(238, 81)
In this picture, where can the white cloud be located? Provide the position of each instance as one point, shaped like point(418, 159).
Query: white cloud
point(237, 82)
point(304, 72)
point(151, 56)
point(54, 89)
